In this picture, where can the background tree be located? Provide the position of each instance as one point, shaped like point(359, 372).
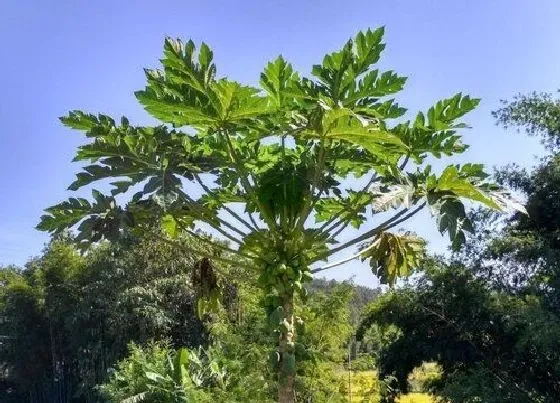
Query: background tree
point(491, 346)
point(521, 255)
point(538, 114)
point(271, 171)
point(360, 297)
point(140, 291)
point(491, 318)
point(68, 319)
point(327, 332)
point(23, 313)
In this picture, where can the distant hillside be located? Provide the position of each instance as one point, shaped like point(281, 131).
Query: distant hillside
point(362, 295)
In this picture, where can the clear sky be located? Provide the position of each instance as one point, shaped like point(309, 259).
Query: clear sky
point(62, 55)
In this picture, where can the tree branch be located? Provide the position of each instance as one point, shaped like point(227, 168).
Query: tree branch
point(253, 221)
point(226, 208)
point(342, 261)
point(405, 161)
point(387, 224)
point(193, 205)
point(245, 182)
point(215, 244)
point(363, 191)
point(374, 177)
point(314, 198)
point(197, 252)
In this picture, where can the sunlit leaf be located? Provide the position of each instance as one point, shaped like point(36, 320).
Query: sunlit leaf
point(393, 196)
point(394, 255)
point(280, 81)
point(169, 225)
point(458, 181)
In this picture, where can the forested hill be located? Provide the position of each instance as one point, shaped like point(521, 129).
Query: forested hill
point(361, 297)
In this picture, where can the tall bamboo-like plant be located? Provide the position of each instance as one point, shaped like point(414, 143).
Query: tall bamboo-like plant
point(272, 170)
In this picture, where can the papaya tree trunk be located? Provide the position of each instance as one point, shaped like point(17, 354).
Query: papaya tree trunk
point(287, 368)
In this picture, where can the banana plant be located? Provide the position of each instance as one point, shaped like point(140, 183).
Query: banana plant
point(278, 172)
point(181, 378)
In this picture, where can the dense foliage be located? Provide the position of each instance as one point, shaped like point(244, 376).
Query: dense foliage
point(177, 284)
point(523, 256)
point(156, 374)
point(268, 170)
point(538, 114)
point(68, 318)
point(491, 346)
point(122, 314)
point(491, 318)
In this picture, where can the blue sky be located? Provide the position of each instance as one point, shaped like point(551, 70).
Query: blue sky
point(63, 55)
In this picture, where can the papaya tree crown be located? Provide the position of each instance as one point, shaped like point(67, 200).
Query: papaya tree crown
point(271, 169)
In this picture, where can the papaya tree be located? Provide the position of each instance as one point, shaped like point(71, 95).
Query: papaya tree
point(278, 172)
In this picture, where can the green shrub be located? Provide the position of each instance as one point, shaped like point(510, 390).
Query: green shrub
point(158, 374)
point(363, 362)
point(423, 376)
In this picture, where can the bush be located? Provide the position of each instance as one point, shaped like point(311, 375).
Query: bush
point(363, 362)
point(160, 375)
point(423, 377)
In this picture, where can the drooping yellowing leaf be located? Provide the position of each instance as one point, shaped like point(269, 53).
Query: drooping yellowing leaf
point(169, 225)
point(394, 255)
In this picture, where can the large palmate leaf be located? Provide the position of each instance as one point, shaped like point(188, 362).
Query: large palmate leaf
point(422, 141)
point(436, 132)
point(281, 83)
point(342, 124)
point(101, 219)
point(367, 49)
point(177, 106)
point(443, 114)
point(186, 92)
point(340, 70)
point(156, 156)
point(385, 198)
point(352, 159)
point(460, 181)
point(466, 182)
point(350, 208)
point(181, 94)
point(374, 85)
point(181, 62)
point(368, 136)
point(445, 195)
point(238, 103)
point(394, 255)
point(65, 215)
point(469, 181)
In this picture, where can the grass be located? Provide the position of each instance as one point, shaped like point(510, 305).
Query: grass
point(416, 397)
point(365, 386)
